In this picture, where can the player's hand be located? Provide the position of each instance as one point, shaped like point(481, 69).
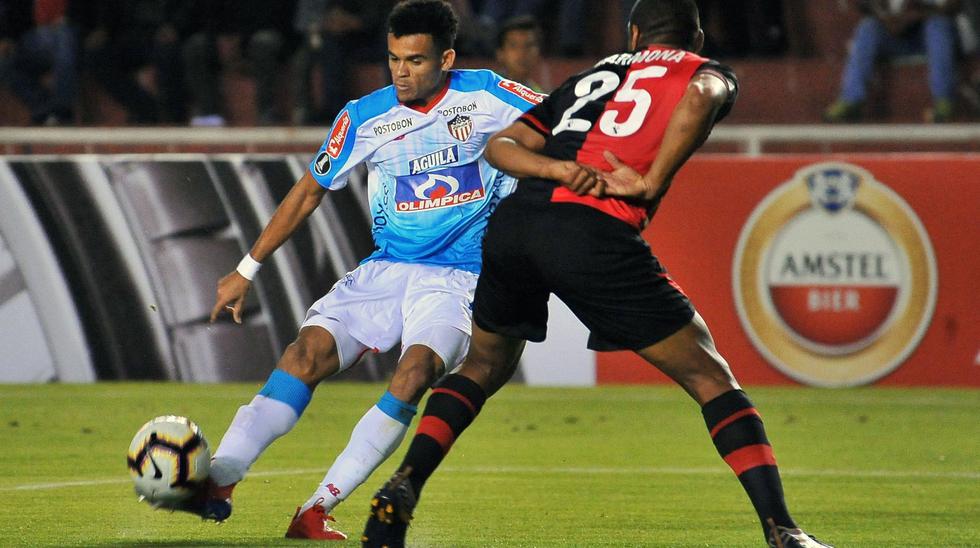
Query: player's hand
point(578, 178)
point(232, 290)
point(623, 181)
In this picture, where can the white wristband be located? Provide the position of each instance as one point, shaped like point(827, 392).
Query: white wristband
point(248, 267)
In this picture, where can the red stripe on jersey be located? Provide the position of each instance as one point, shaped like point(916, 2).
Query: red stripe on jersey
point(732, 418)
point(463, 399)
point(749, 457)
point(531, 120)
point(437, 429)
point(635, 216)
point(673, 284)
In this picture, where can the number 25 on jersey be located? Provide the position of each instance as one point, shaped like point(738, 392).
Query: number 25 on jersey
point(586, 90)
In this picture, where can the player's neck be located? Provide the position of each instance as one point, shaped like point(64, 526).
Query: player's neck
point(426, 102)
point(660, 44)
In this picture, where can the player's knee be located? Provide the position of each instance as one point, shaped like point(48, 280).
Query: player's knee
point(303, 360)
point(416, 372)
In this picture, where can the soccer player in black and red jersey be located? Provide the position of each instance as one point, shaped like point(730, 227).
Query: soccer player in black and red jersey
point(572, 228)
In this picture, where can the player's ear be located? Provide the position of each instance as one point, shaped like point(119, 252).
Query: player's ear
point(448, 58)
point(634, 37)
point(698, 42)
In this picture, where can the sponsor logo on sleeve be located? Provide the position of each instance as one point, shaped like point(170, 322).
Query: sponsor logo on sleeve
point(834, 277)
point(322, 164)
point(435, 159)
point(338, 136)
point(522, 91)
point(450, 187)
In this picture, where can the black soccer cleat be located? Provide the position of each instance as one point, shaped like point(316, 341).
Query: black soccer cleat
point(391, 512)
point(216, 510)
point(211, 503)
point(786, 537)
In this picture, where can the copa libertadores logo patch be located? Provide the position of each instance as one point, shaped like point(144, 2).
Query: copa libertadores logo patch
point(834, 277)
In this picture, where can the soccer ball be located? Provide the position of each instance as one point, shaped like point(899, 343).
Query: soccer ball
point(169, 461)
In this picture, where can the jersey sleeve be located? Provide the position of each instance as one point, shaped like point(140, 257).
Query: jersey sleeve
point(544, 116)
point(341, 151)
point(513, 99)
point(728, 76)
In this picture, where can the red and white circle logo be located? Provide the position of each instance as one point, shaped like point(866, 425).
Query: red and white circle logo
point(834, 277)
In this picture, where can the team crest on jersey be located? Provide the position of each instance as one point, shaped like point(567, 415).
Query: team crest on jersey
point(322, 164)
point(438, 189)
point(834, 277)
point(461, 127)
point(444, 157)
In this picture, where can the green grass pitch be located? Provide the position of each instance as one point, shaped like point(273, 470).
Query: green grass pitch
point(611, 466)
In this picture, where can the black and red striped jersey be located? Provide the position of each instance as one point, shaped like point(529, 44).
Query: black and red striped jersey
point(623, 104)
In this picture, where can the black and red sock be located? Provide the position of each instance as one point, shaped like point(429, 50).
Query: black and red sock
point(453, 405)
point(740, 437)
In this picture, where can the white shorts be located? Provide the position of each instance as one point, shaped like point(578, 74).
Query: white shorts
point(382, 302)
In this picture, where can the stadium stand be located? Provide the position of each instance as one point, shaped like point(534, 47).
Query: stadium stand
point(805, 79)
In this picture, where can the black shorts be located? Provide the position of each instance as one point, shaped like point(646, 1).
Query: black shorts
point(596, 264)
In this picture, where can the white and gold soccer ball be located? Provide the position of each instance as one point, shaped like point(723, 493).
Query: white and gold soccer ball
point(169, 461)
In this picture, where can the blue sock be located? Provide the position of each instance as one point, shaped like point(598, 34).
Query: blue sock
point(288, 389)
point(397, 409)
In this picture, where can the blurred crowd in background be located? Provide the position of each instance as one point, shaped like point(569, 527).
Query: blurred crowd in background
point(163, 60)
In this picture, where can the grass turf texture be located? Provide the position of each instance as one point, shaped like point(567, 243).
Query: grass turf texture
point(612, 466)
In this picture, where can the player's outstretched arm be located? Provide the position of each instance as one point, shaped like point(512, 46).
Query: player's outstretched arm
point(515, 151)
point(687, 130)
point(301, 201)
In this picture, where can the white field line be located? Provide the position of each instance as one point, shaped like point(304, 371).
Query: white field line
point(567, 470)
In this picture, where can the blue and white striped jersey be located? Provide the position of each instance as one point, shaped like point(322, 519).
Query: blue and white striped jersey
point(431, 191)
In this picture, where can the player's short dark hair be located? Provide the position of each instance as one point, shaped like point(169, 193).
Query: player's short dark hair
point(673, 22)
point(521, 22)
point(433, 17)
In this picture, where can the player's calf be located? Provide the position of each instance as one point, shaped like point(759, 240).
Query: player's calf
point(689, 357)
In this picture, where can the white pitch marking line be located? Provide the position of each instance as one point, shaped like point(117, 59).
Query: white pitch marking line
point(583, 470)
point(677, 471)
point(85, 483)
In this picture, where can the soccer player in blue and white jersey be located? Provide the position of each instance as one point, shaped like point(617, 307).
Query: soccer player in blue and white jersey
point(431, 193)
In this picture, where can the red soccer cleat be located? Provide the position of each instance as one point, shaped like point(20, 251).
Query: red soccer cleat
point(314, 524)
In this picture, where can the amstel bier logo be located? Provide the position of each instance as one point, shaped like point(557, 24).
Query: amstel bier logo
point(834, 277)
